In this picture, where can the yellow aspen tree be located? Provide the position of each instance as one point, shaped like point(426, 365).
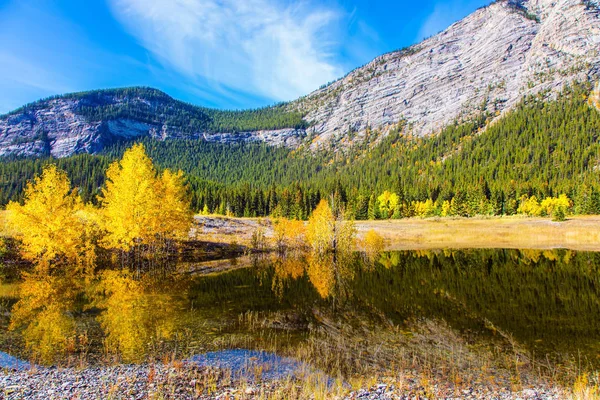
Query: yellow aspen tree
point(374, 244)
point(174, 215)
point(325, 232)
point(289, 233)
point(129, 200)
point(51, 222)
point(331, 239)
point(388, 202)
point(320, 231)
point(139, 206)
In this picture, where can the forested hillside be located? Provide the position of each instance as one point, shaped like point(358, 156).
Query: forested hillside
point(542, 148)
point(153, 106)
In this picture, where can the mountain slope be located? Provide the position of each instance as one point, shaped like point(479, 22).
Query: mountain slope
point(485, 64)
point(541, 148)
point(87, 122)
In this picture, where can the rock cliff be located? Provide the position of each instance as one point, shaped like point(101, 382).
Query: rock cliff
point(486, 62)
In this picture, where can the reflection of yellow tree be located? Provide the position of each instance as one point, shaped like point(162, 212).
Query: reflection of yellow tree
point(132, 318)
point(321, 274)
point(43, 313)
point(286, 269)
point(390, 259)
point(123, 319)
point(331, 239)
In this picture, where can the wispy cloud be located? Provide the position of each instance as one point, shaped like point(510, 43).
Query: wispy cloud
point(258, 46)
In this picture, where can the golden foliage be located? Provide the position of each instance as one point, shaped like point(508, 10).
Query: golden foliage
point(286, 269)
point(289, 233)
point(321, 228)
point(388, 203)
point(426, 208)
point(123, 319)
point(53, 222)
point(321, 274)
point(373, 245)
point(326, 233)
point(132, 318)
point(43, 313)
point(549, 206)
point(141, 207)
point(174, 215)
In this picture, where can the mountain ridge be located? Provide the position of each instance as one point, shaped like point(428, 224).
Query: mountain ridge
point(486, 63)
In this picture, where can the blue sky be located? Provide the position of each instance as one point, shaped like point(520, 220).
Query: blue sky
point(216, 53)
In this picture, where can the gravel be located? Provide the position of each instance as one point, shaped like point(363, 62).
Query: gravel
point(225, 374)
point(191, 381)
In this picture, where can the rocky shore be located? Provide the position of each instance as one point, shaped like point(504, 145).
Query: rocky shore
point(191, 381)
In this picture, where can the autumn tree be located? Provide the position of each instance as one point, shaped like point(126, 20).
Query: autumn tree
point(141, 207)
point(289, 233)
point(373, 245)
point(52, 223)
point(331, 239)
point(321, 229)
point(388, 202)
point(174, 214)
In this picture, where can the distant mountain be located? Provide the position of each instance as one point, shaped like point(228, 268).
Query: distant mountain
point(483, 65)
point(87, 122)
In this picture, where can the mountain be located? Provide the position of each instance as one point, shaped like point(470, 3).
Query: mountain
point(483, 65)
point(87, 122)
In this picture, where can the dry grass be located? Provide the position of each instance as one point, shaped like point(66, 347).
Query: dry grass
point(577, 233)
point(518, 232)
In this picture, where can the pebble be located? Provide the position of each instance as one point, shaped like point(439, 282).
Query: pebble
point(187, 382)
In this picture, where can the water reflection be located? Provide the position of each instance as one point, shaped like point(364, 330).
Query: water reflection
point(547, 300)
point(44, 315)
point(133, 314)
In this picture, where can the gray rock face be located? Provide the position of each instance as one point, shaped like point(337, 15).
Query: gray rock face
point(488, 61)
point(58, 130)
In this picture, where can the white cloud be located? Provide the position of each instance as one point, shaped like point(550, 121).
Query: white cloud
point(257, 46)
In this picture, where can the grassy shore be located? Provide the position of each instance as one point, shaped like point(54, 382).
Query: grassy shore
point(515, 232)
point(577, 233)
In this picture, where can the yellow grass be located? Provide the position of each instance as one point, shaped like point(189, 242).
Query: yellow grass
point(577, 233)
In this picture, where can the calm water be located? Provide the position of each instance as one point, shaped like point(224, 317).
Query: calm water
point(548, 301)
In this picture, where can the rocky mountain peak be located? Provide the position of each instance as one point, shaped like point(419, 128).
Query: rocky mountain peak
point(486, 62)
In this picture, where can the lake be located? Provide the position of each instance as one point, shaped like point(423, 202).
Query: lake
point(402, 309)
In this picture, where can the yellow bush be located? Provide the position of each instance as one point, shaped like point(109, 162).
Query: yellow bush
point(289, 233)
point(374, 244)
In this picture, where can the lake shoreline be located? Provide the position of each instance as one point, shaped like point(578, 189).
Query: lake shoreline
point(497, 232)
point(183, 380)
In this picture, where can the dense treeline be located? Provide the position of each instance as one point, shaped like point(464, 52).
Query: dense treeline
point(153, 106)
point(537, 152)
